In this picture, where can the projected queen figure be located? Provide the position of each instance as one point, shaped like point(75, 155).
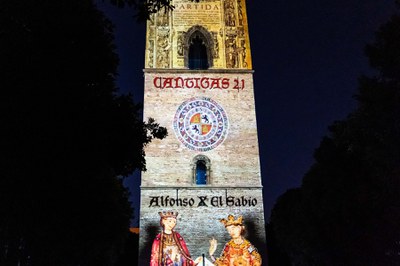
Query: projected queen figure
point(169, 248)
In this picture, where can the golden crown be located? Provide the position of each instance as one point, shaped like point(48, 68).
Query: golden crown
point(231, 221)
point(168, 214)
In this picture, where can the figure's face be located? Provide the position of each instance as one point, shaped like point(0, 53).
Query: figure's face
point(169, 223)
point(234, 230)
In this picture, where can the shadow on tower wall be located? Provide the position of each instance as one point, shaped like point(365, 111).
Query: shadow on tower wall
point(151, 231)
point(258, 241)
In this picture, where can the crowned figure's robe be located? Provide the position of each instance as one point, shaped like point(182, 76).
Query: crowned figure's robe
point(244, 254)
point(170, 250)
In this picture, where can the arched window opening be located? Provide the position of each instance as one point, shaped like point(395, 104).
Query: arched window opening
point(201, 173)
point(201, 170)
point(198, 52)
point(198, 48)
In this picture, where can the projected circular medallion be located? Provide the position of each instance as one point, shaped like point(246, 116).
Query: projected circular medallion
point(200, 124)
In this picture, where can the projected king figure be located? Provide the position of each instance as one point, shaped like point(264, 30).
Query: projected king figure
point(239, 251)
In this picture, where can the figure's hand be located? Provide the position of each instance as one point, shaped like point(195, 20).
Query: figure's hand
point(198, 260)
point(213, 246)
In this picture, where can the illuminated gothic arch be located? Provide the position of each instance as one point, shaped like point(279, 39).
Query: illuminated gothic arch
point(198, 48)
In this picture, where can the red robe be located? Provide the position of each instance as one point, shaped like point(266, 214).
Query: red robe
point(157, 253)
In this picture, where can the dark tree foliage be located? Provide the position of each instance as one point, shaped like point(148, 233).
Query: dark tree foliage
point(145, 8)
point(347, 211)
point(67, 139)
point(276, 255)
point(129, 257)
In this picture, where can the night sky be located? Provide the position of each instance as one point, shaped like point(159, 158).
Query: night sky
point(307, 56)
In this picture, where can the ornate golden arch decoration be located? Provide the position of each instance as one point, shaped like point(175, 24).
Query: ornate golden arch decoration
point(207, 38)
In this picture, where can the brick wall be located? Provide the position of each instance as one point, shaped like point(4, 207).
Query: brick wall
point(235, 180)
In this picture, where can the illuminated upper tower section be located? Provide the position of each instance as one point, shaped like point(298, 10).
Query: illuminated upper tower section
point(209, 34)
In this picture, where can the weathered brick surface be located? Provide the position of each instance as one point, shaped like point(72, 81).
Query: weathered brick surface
point(235, 182)
point(237, 158)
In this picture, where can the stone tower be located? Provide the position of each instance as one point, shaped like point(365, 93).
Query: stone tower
point(199, 84)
